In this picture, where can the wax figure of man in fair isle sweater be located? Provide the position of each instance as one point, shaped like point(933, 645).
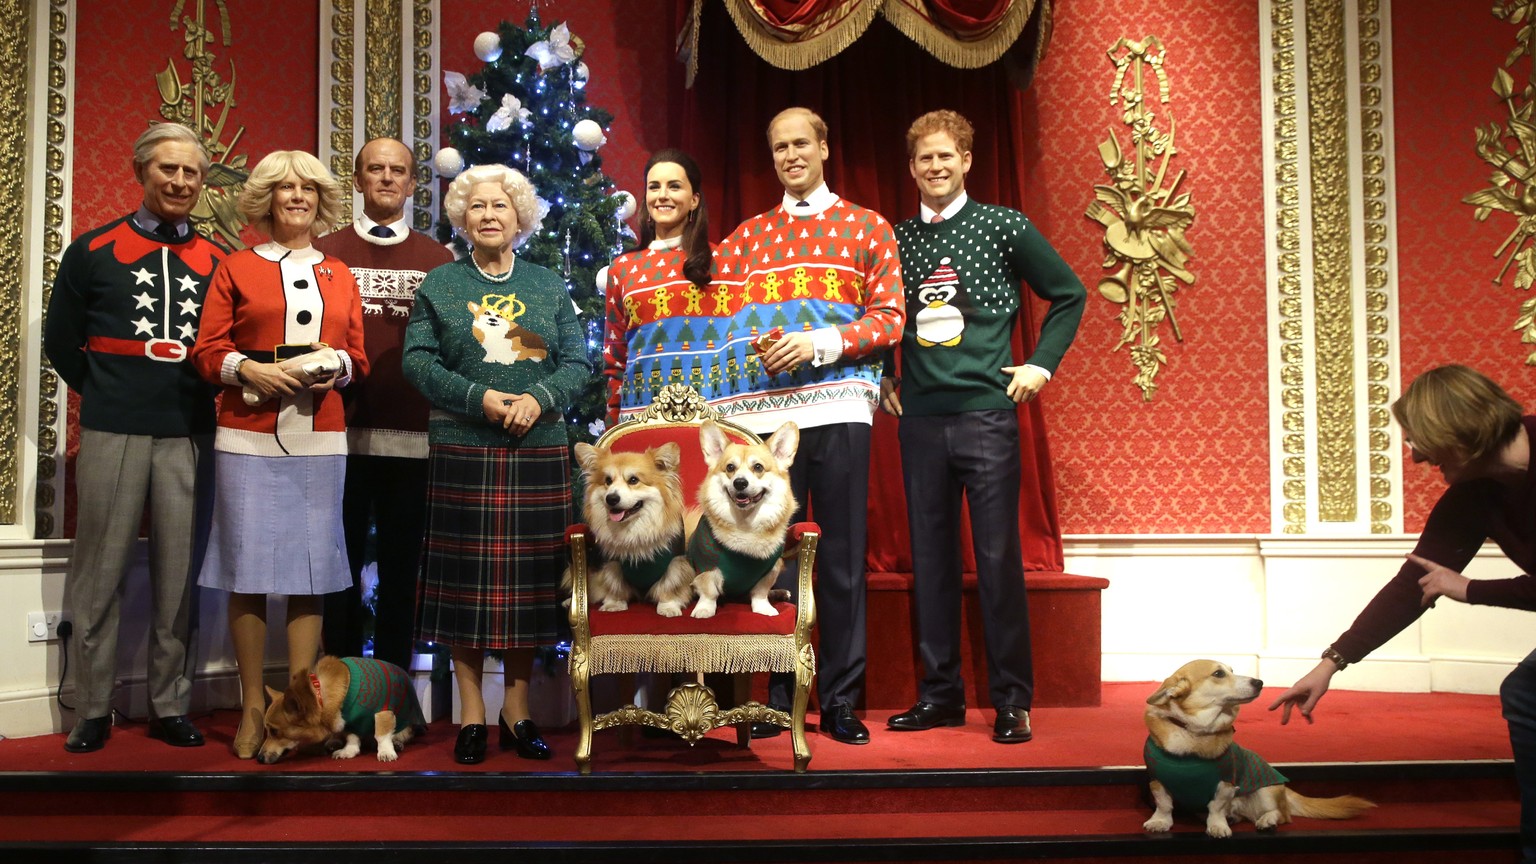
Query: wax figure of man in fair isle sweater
point(959, 429)
point(826, 274)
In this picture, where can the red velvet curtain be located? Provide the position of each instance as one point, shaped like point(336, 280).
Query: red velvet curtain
point(868, 94)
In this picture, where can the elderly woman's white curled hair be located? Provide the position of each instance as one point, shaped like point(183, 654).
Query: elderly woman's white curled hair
point(530, 208)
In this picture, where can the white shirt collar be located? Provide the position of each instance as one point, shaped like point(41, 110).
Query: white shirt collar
point(364, 224)
point(818, 201)
point(948, 213)
point(273, 251)
point(660, 245)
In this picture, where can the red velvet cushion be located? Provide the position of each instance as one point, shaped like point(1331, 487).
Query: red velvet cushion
point(730, 619)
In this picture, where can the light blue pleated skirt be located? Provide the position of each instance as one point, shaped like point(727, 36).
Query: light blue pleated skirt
point(277, 525)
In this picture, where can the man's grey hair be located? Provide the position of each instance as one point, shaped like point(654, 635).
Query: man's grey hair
point(144, 148)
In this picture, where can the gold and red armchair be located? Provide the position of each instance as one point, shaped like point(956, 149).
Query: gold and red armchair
point(736, 641)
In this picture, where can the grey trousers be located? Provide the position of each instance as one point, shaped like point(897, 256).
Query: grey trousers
point(114, 477)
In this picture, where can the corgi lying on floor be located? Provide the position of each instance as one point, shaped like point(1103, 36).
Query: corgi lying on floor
point(338, 703)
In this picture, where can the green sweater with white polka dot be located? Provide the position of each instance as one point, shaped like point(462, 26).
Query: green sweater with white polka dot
point(962, 280)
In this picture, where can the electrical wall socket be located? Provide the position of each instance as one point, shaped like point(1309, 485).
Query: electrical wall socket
point(44, 626)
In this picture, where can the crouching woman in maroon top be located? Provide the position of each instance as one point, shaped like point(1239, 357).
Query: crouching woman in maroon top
point(1459, 421)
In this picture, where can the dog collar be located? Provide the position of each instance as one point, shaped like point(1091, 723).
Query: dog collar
point(314, 683)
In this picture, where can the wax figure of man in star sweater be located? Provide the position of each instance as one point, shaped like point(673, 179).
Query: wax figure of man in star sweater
point(124, 311)
point(386, 417)
point(959, 430)
point(826, 273)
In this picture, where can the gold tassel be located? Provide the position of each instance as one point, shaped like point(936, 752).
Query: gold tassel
point(972, 51)
point(815, 44)
point(695, 652)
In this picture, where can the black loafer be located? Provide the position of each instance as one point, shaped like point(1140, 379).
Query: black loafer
point(1012, 726)
point(176, 731)
point(766, 730)
point(524, 738)
point(926, 715)
point(470, 748)
point(840, 723)
point(90, 733)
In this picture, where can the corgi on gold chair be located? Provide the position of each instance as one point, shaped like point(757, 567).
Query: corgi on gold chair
point(736, 539)
point(634, 508)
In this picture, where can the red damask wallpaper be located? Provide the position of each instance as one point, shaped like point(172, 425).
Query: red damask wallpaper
point(1196, 459)
point(119, 48)
point(1451, 311)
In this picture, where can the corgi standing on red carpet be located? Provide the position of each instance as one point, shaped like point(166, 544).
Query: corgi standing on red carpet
point(736, 539)
point(1196, 766)
point(337, 703)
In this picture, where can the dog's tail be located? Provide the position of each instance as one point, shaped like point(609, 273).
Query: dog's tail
point(1342, 807)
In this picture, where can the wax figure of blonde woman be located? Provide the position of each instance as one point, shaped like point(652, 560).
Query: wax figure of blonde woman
point(660, 305)
point(494, 344)
point(281, 447)
point(1456, 419)
point(123, 313)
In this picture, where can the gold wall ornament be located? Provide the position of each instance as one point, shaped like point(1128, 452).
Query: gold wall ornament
point(1291, 332)
point(1143, 217)
point(1510, 150)
point(1380, 371)
point(203, 102)
point(15, 57)
point(48, 498)
point(381, 60)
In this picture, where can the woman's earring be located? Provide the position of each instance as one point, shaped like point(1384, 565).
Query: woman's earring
point(691, 214)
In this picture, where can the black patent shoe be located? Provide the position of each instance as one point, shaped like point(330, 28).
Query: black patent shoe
point(470, 748)
point(766, 730)
point(926, 715)
point(90, 733)
point(524, 738)
point(843, 726)
point(176, 731)
point(1011, 726)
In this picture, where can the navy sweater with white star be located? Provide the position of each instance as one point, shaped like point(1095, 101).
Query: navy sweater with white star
point(951, 358)
point(123, 314)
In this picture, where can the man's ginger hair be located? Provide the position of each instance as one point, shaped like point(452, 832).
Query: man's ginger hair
point(948, 121)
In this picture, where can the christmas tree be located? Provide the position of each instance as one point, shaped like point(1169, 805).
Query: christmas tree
point(526, 108)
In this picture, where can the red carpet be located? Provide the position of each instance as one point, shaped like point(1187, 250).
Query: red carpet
point(1350, 727)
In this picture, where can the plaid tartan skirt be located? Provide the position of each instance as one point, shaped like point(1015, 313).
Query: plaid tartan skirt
point(495, 544)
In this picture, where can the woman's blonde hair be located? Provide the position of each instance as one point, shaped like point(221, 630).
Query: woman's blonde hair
point(526, 204)
point(255, 201)
point(1455, 413)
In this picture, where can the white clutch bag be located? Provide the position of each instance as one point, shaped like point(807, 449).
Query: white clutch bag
point(312, 367)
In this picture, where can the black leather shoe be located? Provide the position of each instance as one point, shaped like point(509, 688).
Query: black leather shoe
point(176, 731)
point(926, 715)
point(524, 737)
point(1012, 726)
point(766, 730)
point(470, 748)
point(90, 733)
point(840, 723)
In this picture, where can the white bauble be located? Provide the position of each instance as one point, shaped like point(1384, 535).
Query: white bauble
point(627, 205)
point(488, 46)
point(579, 76)
point(588, 135)
point(448, 163)
point(602, 280)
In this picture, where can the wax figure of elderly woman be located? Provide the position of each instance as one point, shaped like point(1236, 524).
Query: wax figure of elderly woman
point(1480, 438)
point(649, 289)
point(494, 344)
point(281, 329)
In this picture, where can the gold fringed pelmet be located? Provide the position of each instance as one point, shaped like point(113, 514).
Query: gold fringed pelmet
point(694, 653)
point(962, 50)
point(801, 47)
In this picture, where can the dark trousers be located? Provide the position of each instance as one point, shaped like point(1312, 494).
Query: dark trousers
point(1518, 697)
point(975, 453)
point(831, 476)
point(391, 492)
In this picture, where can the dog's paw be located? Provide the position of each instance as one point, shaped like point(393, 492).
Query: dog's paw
point(669, 609)
point(1218, 828)
point(705, 608)
point(352, 748)
point(612, 605)
point(1158, 824)
point(761, 606)
point(1267, 821)
point(387, 751)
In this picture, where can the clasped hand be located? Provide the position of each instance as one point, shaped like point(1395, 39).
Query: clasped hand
point(515, 413)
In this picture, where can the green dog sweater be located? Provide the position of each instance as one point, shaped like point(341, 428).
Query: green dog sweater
point(1192, 780)
point(377, 686)
point(740, 571)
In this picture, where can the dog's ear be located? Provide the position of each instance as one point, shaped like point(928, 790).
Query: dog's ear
point(784, 443)
point(1173, 688)
point(711, 441)
point(586, 456)
point(667, 456)
point(273, 695)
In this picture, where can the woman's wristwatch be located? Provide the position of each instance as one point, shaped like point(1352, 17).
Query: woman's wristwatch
point(1336, 657)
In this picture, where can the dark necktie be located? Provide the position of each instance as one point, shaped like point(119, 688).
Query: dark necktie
point(168, 232)
point(802, 203)
point(382, 231)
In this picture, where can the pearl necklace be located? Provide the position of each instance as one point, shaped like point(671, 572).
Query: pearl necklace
point(488, 277)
